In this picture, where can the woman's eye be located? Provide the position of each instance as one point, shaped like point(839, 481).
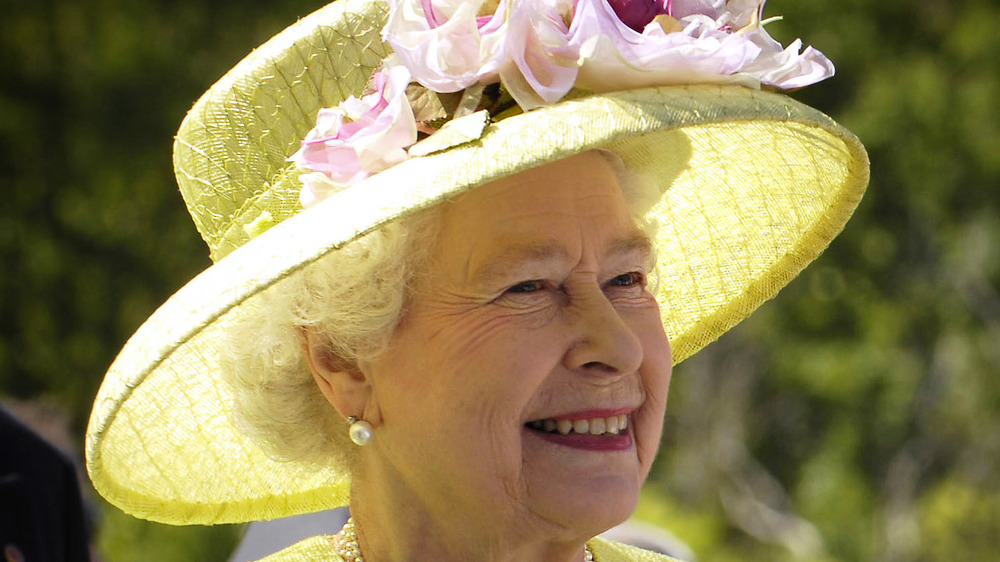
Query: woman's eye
point(627, 279)
point(526, 287)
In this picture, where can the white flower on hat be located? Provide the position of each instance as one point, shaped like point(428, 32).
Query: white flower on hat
point(689, 42)
point(357, 138)
point(690, 50)
point(446, 44)
point(542, 63)
point(787, 69)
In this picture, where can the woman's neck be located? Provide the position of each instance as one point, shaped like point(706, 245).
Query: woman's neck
point(394, 523)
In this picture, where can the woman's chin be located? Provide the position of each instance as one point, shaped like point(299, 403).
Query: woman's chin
point(582, 483)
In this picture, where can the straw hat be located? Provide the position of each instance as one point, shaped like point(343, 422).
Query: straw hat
point(753, 186)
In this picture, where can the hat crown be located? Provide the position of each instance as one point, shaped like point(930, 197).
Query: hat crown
point(230, 152)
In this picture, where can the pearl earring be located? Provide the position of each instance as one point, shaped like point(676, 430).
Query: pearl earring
point(361, 432)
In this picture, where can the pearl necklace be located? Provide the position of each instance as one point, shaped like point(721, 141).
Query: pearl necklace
point(346, 544)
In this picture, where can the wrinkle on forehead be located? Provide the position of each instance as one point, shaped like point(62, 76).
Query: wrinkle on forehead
point(541, 216)
point(514, 255)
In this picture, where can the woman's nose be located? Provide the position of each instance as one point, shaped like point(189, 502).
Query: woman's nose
point(603, 343)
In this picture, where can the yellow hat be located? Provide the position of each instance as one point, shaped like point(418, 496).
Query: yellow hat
point(753, 184)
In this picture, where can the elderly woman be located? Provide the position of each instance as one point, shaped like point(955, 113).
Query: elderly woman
point(458, 306)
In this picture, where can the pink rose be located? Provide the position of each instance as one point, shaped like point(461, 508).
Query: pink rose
point(540, 49)
point(542, 65)
point(444, 43)
point(710, 8)
point(700, 41)
point(637, 13)
point(616, 57)
point(357, 138)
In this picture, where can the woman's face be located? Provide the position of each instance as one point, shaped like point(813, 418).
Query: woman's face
point(532, 312)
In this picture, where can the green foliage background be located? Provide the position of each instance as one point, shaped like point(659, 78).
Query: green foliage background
point(856, 417)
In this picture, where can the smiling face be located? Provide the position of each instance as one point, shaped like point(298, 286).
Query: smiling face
point(532, 316)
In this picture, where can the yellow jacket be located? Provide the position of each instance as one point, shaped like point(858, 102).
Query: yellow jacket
point(320, 549)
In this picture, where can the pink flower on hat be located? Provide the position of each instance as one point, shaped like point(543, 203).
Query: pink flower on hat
point(692, 41)
point(542, 65)
point(357, 138)
point(787, 68)
point(445, 43)
point(637, 13)
point(540, 50)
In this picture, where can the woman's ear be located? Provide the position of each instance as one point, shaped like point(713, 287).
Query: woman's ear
point(342, 382)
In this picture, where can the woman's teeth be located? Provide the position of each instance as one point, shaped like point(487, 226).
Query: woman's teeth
point(595, 426)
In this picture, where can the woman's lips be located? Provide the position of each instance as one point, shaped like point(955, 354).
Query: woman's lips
point(602, 432)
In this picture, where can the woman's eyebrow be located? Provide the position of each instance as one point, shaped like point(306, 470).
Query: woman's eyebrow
point(636, 242)
point(513, 256)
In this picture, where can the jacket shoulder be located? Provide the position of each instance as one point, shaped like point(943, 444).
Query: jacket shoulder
point(313, 549)
point(610, 551)
point(320, 549)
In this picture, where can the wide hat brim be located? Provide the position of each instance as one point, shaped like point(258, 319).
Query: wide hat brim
point(754, 185)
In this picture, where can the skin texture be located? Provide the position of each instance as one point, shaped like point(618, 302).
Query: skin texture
point(533, 305)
